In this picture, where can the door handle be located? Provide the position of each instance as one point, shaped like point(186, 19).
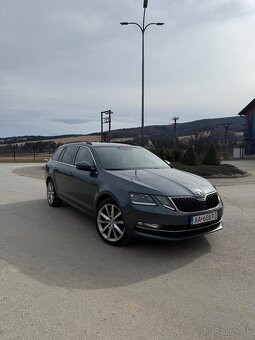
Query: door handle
point(70, 173)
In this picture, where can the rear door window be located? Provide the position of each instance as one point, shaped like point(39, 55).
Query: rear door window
point(57, 154)
point(69, 154)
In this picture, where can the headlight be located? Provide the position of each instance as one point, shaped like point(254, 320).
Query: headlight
point(166, 202)
point(141, 199)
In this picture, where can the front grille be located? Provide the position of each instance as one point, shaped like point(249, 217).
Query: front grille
point(187, 204)
point(212, 200)
point(191, 204)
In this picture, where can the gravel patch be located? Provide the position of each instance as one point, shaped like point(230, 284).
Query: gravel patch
point(31, 171)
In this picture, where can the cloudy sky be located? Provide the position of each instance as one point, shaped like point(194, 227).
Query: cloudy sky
point(62, 62)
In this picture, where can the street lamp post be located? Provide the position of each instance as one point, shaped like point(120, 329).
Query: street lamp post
point(143, 29)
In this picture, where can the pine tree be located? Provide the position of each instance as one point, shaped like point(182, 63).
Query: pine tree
point(211, 158)
point(190, 157)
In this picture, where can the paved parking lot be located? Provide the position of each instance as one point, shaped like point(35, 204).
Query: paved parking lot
point(58, 280)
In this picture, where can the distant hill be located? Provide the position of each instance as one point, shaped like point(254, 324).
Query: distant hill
point(183, 129)
point(207, 126)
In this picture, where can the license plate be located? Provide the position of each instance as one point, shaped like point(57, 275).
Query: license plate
point(204, 218)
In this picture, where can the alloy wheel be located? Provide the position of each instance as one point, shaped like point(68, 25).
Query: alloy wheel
point(50, 193)
point(110, 223)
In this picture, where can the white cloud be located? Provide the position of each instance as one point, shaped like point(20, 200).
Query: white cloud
point(64, 61)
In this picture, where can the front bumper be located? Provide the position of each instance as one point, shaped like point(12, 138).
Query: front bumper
point(172, 225)
point(177, 236)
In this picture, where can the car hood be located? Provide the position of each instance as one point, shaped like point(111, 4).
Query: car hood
point(167, 181)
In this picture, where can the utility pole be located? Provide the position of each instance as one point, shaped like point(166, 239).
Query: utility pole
point(106, 118)
point(226, 126)
point(175, 129)
point(14, 152)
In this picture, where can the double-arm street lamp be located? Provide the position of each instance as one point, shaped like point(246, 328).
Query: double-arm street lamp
point(143, 29)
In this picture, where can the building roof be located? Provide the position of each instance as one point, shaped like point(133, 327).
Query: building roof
point(247, 108)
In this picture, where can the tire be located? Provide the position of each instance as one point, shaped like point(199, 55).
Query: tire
point(52, 197)
point(110, 223)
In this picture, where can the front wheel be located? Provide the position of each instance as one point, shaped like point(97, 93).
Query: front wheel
point(52, 197)
point(110, 223)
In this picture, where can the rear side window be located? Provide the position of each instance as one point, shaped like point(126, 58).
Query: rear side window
point(84, 155)
point(57, 154)
point(69, 154)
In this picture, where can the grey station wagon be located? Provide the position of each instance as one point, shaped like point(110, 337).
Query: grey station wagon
point(132, 193)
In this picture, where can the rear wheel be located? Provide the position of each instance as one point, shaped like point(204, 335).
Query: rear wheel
point(52, 197)
point(110, 223)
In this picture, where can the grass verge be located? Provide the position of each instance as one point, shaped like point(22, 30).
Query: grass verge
point(222, 170)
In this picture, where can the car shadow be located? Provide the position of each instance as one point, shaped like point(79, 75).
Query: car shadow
point(61, 247)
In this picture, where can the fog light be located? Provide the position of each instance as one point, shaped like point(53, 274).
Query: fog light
point(148, 225)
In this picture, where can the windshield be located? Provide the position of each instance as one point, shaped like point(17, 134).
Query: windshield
point(128, 157)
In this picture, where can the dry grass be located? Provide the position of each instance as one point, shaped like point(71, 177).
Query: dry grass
point(82, 138)
point(85, 139)
point(187, 139)
point(75, 139)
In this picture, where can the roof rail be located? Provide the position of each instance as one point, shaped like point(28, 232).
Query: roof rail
point(80, 141)
point(126, 142)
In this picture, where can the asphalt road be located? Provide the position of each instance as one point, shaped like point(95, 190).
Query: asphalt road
point(58, 280)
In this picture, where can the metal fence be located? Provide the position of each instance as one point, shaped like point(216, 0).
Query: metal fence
point(16, 156)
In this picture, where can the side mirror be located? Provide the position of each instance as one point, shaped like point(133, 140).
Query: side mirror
point(168, 163)
point(85, 166)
